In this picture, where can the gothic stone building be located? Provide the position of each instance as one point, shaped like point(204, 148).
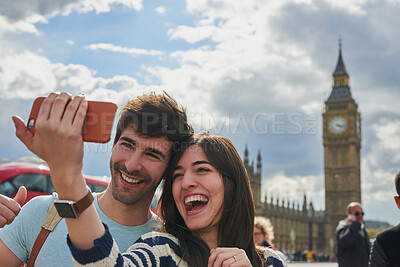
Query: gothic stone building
point(304, 228)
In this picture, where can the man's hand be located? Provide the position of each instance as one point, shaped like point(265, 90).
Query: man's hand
point(9, 208)
point(351, 217)
point(58, 136)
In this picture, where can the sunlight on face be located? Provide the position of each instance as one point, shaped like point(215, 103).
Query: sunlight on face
point(198, 191)
point(137, 165)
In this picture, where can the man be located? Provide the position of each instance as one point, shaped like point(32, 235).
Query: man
point(352, 240)
point(150, 130)
point(385, 250)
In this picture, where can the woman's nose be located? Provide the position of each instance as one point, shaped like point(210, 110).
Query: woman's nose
point(188, 181)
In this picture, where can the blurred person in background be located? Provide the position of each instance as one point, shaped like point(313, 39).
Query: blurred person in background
point(352, 241)
point(263, 232)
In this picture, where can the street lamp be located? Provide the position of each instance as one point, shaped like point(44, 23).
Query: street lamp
point(292, 237)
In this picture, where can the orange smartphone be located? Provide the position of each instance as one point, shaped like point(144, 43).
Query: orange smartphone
point(98, 123)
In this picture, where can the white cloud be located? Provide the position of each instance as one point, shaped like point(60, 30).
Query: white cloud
point(70, 42)
point(293, 188)
point(383, 153)
point(355, 7)
point(77, 79)
point(191, 34)
point(25, 75)
point(100, 6)
point(16, 27)
point(23, 16)
point(388, 133)
point(160, 9)
point(242, 50)
point(380, 165)
point(127, 50)
point(312, 107)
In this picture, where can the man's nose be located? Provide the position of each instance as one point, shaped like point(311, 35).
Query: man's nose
point(134, 162)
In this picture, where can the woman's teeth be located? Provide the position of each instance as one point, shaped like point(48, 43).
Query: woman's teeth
point(199, 198)
point(195, 202)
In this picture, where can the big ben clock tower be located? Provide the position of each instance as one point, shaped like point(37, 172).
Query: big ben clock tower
point(342, 144)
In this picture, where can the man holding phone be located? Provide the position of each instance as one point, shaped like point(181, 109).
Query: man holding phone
point(151, 128)
point(352, 241)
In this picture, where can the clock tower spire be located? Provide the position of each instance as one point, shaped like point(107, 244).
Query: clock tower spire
point(342, 144)
point(341, 89)
point(340, 76)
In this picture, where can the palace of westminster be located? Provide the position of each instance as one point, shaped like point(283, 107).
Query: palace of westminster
point(303, 228)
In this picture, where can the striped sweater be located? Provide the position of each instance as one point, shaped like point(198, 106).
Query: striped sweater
point(152, 249)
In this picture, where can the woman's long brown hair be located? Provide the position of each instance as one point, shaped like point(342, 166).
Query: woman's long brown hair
point(236, 225)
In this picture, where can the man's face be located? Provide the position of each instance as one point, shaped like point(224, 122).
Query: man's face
point(137, 164)
point(358, 213)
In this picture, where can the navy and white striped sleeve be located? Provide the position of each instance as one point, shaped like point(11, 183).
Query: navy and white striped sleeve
point(152, 249)
point(273, 259)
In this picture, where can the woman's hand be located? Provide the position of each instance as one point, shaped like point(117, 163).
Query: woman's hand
point(223, 257)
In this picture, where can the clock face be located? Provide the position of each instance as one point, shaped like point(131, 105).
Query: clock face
point(337, 125)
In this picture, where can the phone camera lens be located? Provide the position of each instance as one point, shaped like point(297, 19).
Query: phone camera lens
point(31, 122)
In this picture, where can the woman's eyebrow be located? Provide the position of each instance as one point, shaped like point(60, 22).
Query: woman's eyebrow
point(193, 164)
point(201, 162)
point(177, 168)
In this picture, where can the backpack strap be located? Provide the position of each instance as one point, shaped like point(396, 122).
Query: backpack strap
point(49, 223)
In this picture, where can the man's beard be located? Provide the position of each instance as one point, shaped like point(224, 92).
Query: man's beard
point(126, 195)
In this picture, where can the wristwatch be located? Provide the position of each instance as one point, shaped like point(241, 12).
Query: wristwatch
point(72, 209)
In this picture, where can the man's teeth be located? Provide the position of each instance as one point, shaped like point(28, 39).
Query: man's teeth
point(199, 198)
point(129, 180)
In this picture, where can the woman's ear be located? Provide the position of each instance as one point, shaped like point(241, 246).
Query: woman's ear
point(397, 199)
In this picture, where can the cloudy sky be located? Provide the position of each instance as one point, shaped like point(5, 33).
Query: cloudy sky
point(255, 71)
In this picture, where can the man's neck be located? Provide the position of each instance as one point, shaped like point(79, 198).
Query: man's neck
point(128, 215)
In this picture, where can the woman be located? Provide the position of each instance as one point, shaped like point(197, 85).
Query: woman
point(208, 211)
point(263, 232)
point(210, 164)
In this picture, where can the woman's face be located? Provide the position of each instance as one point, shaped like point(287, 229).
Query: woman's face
point(259, 237)
point(198, 191)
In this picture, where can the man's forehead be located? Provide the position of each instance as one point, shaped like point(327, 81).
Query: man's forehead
point(162, 142)
point(356, 207)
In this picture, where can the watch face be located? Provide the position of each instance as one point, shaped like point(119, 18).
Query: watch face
point(66, 209)
point(337, 125)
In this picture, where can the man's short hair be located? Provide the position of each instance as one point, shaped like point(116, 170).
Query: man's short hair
point(353, 204)
point(397, 182)
point(156, 115)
